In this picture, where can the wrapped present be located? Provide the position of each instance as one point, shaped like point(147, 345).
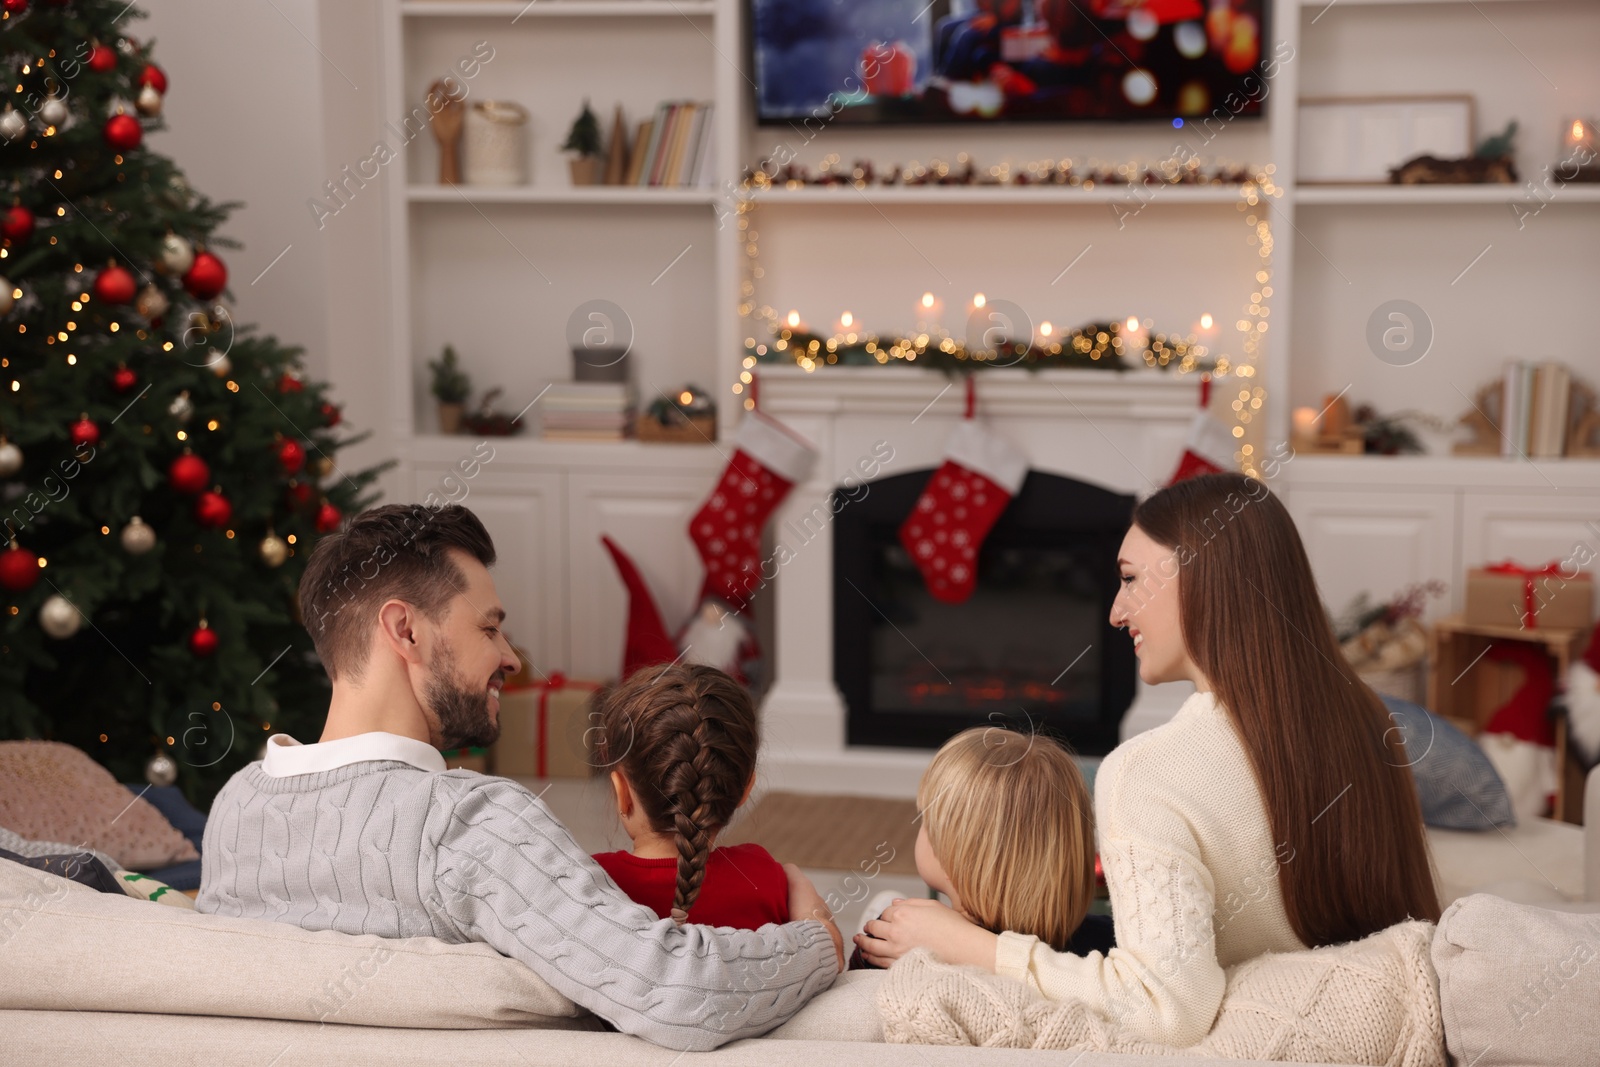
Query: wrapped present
point(466, 759)
point(1554, 596)
point(545, 729)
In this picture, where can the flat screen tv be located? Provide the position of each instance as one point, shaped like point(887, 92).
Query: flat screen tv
point(912, 61)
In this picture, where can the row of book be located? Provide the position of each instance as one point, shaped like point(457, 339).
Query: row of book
point(675, 147)
point(586, 411)
point(1537, 410)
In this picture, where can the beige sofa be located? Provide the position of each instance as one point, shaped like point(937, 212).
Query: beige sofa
point(91, 978)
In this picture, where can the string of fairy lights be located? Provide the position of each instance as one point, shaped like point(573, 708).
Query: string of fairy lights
point(1109, 345)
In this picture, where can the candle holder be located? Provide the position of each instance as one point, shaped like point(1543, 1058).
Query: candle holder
point(1580, 157)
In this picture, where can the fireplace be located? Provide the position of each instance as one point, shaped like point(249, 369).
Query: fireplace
point(1031, 648)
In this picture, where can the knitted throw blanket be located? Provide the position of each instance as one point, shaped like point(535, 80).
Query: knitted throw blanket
point(1374, 1001)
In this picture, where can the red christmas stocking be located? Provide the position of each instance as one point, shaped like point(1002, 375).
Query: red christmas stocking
point(1209, 449)
point(980, 474)
point(768, 460)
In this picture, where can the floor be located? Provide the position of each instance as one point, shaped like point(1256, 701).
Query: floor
point(586, 807)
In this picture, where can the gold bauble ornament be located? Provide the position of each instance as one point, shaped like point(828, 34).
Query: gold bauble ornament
point(137, 537)
point(322, 466)
point(7, 299)
point(54, 112)
point(162, 770)
point(176, 255)
point(181, 408)
point(152, 303)
point(148, 102)
point(59, 617)
point(274, 550)
point(10, 458)
point(220, 365)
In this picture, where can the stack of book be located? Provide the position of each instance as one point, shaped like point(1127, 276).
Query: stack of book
point(1536, 412)
point(586, 411)
point(675, 147)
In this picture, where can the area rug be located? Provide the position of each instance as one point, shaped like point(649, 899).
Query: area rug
point(830, 832)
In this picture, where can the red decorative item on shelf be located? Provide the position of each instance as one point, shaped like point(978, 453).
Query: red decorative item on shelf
point(331, 415)
point(17, 226)
point(207, 277)
point(114, 285)
point(123, 132)
point(298, 495)
point(19, 569)
point(85, 432)
point(290, 384)
point(328, 518)
point(16, 7)
point(212, 509)
point(188, 474)
point(291, 456)
point(154, 77)
point(123, 379)
point(102, 59)
point(203, 641)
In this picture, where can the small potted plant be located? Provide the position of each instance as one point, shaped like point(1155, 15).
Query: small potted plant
point(451, 387)
point(584, 139)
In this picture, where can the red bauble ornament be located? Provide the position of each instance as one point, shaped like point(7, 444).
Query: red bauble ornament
point(16, 7)
point(290, 384)
point(328, 518)
point(17, 226)
point(114, 285)
point(102, 59)
point(291, 456)
point(212, 509)
point(154, 77)
point(331, 415)
point(123, 132)
point(207, 277)
point(203, 641)
point(123, 379)
point(19, 569)
point(85, 432)
point(298, 495)
point(188, 474)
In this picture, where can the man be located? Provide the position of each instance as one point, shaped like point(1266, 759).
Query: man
point(367, 833)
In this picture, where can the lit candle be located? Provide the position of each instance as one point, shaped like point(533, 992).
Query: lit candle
point(846, 321)
point(1045, 330)
point(978, 300)
point(1577, 138)
point(1135, 335)
point(1207, 323)
point(1305, 423)
point(793, 320)
point(928, 308)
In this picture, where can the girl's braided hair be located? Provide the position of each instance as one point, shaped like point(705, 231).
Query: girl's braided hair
point(686, 738)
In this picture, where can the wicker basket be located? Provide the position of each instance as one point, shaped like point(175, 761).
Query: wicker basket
point(1407, 683)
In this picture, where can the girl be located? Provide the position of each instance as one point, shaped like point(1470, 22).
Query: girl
point(1275, 812)
point(681, 742)
point(1007, 835)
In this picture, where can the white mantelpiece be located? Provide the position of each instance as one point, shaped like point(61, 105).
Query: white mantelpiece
point(1121, 431)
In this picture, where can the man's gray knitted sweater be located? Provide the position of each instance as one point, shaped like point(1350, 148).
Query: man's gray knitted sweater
point(385, 848)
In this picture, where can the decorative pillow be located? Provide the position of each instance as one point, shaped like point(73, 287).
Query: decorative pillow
point(80, 867)
point(1455, 780)
point(50, 791)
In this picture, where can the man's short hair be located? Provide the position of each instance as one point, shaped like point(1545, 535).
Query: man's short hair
point(394, 552)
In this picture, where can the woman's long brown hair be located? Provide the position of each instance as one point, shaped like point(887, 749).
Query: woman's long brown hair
point(1331, 766)
point(686, 738)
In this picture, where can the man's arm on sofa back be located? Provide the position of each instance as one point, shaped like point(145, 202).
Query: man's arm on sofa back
point(507, 873)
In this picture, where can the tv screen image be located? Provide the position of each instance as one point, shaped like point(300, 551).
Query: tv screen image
point(911, 61)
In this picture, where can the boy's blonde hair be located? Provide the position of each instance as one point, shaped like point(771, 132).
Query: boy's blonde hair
point(1010, 820)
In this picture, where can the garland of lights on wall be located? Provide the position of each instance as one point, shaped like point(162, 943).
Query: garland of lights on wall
point(1112, 346)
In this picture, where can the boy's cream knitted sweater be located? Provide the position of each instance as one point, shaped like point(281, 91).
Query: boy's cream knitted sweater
point(1192, 870)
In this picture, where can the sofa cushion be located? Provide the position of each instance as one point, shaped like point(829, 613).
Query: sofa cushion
point(54, 792)
point(68, 947)
point(1518, 984)
point(1456, 782)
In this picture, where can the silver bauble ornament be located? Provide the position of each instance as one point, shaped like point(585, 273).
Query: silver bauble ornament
point(181, 407)
point(55, 112)
point(12, 124)
point(127, 45)
point(10, 459)
point(176, 256)
point(274, 550)
point(7, 298)
point(59, 618)
point(148, 102)
point(162, 770)
point(137, 537)
point(152, 303)
point(220, 365)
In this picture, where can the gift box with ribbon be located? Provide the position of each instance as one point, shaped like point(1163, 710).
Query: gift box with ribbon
point(1553, 596)
point(545, 726)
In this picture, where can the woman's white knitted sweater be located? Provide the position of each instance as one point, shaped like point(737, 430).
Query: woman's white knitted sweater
point(1193, 874)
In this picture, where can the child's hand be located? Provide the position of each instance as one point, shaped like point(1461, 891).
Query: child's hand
point(909, 924)
point(806, 903)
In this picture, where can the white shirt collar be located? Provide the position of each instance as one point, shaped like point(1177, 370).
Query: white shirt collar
point(286, 756)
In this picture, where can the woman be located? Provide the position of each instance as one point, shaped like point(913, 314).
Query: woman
point(1275, 812)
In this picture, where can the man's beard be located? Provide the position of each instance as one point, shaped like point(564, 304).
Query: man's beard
point(463, 712)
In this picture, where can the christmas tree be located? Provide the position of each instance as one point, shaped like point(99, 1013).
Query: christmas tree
point(164, 473)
